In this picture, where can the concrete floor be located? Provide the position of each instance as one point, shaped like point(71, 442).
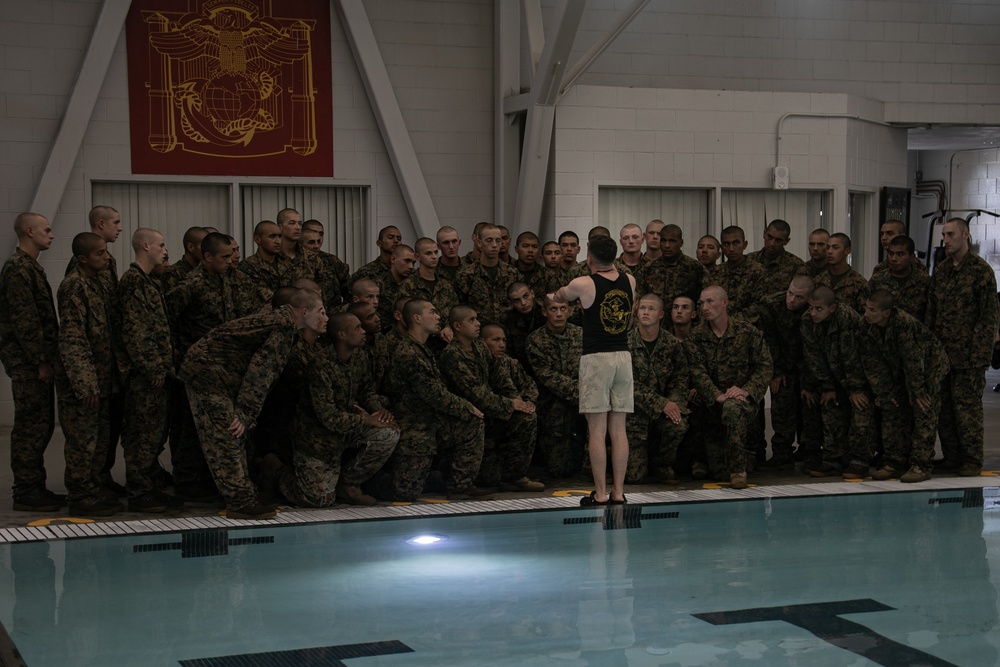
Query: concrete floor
point(54, 465)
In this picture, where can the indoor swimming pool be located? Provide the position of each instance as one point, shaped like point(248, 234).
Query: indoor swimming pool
point(874, 579)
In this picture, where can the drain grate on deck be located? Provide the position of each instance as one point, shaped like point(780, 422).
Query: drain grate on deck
point(620, 518)
point(321, 656)
point(203, 543)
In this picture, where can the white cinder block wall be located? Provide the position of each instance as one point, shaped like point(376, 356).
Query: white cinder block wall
point(718, 139)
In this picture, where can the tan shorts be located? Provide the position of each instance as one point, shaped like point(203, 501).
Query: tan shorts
point(606, 382)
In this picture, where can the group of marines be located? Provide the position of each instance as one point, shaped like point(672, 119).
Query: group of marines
point(285, 376)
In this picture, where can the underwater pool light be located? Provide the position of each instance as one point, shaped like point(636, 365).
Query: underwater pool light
point(425, 540)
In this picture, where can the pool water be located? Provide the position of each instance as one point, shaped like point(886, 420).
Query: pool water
point(888, 579)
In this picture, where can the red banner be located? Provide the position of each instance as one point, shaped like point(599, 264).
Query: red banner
point(230, 87)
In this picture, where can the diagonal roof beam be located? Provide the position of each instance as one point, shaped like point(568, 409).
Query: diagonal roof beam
point(535, 30)
point(541, 116)
point(390, 119)
point(62, 156)
point(624, 19)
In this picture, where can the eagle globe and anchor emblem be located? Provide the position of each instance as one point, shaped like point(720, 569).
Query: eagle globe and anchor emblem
point(215, 81)
point(615, 312)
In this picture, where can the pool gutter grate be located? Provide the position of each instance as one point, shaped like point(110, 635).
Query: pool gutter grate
point(620, 518)
point(321, 656)
point(203, 543)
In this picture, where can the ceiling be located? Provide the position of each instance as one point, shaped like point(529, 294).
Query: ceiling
point(952, 137)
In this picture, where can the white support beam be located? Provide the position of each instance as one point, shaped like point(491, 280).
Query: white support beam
point(541, 116)
point(62, 156)
point(595, 51)
point(390, 119)
point(535, 30)
point(516, 103)
point(506, 135)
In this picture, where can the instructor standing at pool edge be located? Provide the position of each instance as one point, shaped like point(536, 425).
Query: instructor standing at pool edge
point(607, 297)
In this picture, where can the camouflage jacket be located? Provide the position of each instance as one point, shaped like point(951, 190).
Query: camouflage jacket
point(29, 330)
point(518, 327)
point(743, 284)
point(145, 333)
point(334, 278)
point(449, 273)
point(910, 292)
point(739, 358)
point(778, 271)
point(86, 334)
point(851, 288)
point(782, 333)
point(376, 350)
point(555, 361)
point(903, 358)
point(440, 292)
point(660, 376)
point(421, 392)
point(199, 304)
point(684, 276)
point(478, 376)
point(109, 277)
point(372, 269)
point(962, 310)
point(175, 274)
point(812, 270)
point(388, 292)
point(325, 414)
point(525, 386)
point(541, 279)
point(831, 352)
point(241, 359)
point(486, 295)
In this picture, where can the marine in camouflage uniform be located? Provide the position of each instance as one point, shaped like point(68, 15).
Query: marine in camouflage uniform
point(200, 303)
point(435, 424)
point(147, 362)
point(272, 435)
point(523, 383)
point(334, 278)
point(910, 292)
point(518, 327)
point(554, 358)
point(904, 362)
point(440, 292)
point(851, 288)
point(371, 270)
point(485, 290)
point(540, 278)
point(228, 374)
point(86, 346)
point(175, 274)
point(742, 282)
point(789, 413)
point(669, 278)
point(739, 358)
point(510, 434)
point(660, 376)
point(833, 367)
point(327, 425)
point(962, 313)
point(779, 270)
point(29, 340)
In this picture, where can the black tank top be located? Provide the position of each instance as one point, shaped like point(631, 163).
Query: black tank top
point(605, 323)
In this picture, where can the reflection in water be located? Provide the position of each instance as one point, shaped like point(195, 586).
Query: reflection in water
point(618, 586)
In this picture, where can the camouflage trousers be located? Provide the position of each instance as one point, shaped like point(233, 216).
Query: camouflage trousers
point(848, 434)
point(961, 425)
point(34, 423)
point(651, 443)
point(561, 437)
point(87, 432)
point(186, 458)
point(456, 444)
point(225, 454)
point(909, 433)
point(507, 449)
point(794, 421)
point(312, 481)
point(143, 433)
point(725, 429)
